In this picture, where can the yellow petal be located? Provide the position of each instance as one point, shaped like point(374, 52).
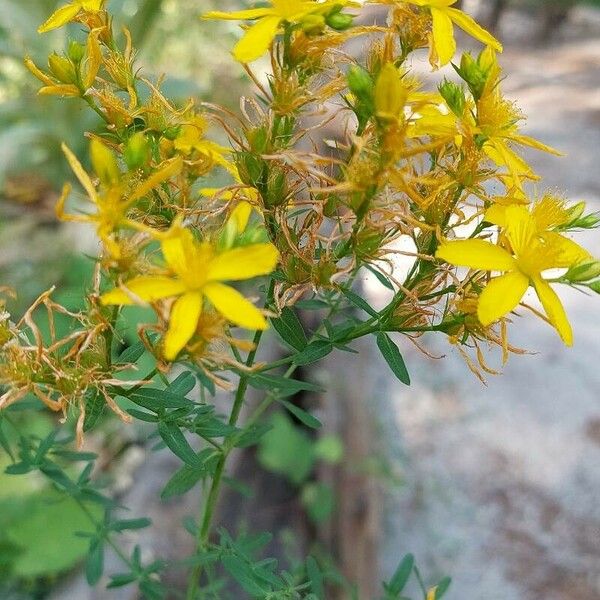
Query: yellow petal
point(234, 307)
point(94, 59)
point(79, 171)
point(554, 309)
point(500, 296)
point(257, 40)
point(178, 248)
point(168, 169)
point(243, 263)
point(526, 140)
point(390, 92)
point(147, 288)
point(64, 15)
point(45, 79)
point(240, 15)
point(241, 215)
point(570, 252)
point(182, 323)
point(496, 214)
point(443, 35)
point(521, 229)
point(468, 24)
point(67, 90)
point(499, 151)
point(476, 254)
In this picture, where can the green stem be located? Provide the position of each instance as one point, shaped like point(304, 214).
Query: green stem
point(215, 487)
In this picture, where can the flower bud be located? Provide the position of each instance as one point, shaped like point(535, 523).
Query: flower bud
point(104, 163)
point(313, 23)
point(576, 211)
point(62, 68)
point(595, 286)
point(137, 151)
point(583, 272)
point(454, 96)
point(360, 83)
point(390, 93)
point(474, 75)
point(76, 51)
point(339, 21)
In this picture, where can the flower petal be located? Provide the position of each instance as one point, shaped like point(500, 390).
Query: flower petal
point(178, 248)
point(257, 39)
point(554, 309)
point(468, 24)
point(79, 171)
point(569, 252)
point(60, 17)
point(234, 307)
point(182, 323)
point(443, 35)
point(168, 169)
point(146, 288)
point(243, 263)
point(476, 254)
point(240, 15)
point(526, 140)
point(500, 296)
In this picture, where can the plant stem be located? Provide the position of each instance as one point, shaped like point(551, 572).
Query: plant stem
point(215, 487)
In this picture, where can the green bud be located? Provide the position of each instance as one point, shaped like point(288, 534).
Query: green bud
point(474, 74)
point(172, 133)
point(588, 222)
point(251, 169)
point(454, 95)
point(258, 139)
point(360, 83)
point(339, 21)
point(313, 23)
point(76, 51)
point(137, 151)
point(595, 286)
point(104, 162)
point(277, 191)
point(576, 211)
point(62, 68)
point(583, 272)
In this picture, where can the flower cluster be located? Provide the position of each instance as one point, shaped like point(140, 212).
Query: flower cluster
point(438, 168)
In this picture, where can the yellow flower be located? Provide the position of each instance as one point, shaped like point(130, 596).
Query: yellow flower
point(498, 118)
point(258, 38)
point(197, 272)
point(547, 214)
point(444, 17)
point(112, 204)
point(532, 256)
point(66, 14)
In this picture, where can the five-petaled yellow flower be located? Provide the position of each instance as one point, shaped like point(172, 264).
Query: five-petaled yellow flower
point(531, 254)
point(444, 17)
point(67, 13)
point(198, 272)
point(258, 38)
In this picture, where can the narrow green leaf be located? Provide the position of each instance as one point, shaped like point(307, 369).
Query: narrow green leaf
point(154, 399)
point(316, 578)
point(282, 386)
point(360, 302)
point(401, 575)
point(302, 415)
point(381, 278)
point(290, 329)
point(183, 384)
point(121, 579)
point(392, 355)
point(94, 564)
point(182, 481)
point(442, 587)
point(177, 443)
point(131, 354)
point(313, 352)
point(130, 524)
